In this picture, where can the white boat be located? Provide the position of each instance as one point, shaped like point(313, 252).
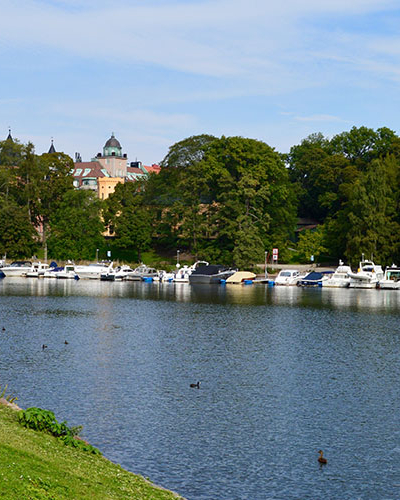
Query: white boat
point(37, 270)
point(94, 270)
point(288, 277)
point(68, 273)
point(391, 279)
point(120, 273)
point(141, 272)
point(183, 273)
point(367, 276)
point(164, 277)
point(17, 268)
point(340, 278)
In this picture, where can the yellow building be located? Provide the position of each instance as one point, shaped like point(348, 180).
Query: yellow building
point(106, 186)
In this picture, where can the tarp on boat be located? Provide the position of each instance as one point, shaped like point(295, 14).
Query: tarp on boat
point(240, 276)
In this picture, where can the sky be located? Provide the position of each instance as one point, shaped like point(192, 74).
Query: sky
point(155, 72)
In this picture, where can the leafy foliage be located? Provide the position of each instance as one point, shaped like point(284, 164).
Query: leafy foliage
point(230, 201)
point(76, 227)
point(45, 421)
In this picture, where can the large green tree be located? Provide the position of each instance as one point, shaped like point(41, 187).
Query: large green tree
point(18, 238)
point(130, 219)
point(76, 226)
point(230, 201)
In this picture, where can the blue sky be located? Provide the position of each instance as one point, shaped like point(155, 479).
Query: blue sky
point(157, 71)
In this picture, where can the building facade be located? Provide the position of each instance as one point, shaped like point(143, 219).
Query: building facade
point(108, 169)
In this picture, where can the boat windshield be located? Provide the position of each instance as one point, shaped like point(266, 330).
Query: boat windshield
point(286, 273)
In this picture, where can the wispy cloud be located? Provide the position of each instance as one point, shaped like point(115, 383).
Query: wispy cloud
point(165, 69)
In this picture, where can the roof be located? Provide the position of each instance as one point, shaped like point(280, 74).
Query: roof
point(89, 169)
point(134, 173)
point(112, 142)
point(52, 148)
point(154, 168)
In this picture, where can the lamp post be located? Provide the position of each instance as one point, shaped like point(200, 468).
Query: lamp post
point(177, 259)
point(265, 265)
point(97, 255)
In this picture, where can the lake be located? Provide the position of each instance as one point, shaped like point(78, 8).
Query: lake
point(284, 372)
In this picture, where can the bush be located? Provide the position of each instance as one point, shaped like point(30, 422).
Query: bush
point(45, 421)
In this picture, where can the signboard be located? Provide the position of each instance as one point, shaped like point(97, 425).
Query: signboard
point(275, 254)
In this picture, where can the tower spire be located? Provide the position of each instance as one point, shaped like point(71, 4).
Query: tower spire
point(52, 148)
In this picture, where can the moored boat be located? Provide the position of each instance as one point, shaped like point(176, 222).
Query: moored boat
point(183, 273)
point(240, 278)
point(141, 272)
point(94, 270)
point(340, 278)
point(67, 273)
point(391, 279)
point(37, 270)
point(368, 275)
point(288, 277)
point(17, 268)
point(314, 278)
point(210, 274)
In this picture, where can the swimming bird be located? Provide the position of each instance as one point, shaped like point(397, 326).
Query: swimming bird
point(44, 346)
point(65, 342)
point(197, 384)
point(3, 329)
point(322, 460)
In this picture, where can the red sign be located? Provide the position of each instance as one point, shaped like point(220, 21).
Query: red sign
point(274, 254)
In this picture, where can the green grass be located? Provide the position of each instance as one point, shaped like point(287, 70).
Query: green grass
point(35, 465)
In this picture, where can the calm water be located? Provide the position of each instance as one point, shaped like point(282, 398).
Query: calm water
point(284, 371)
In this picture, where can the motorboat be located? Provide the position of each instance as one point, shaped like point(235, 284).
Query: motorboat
point(164, 277)
point(340, 278)
point(17, 268)
point(391, 279)
point(141, 272)
point(367, 276)
point(52, 270)
point(210, 274)
point(241, 278)
point(288, 277)
point(37, 270)
point(94, 270)
point(314, 278)
point(183, 273)
point(68, 273)
point(120, 273)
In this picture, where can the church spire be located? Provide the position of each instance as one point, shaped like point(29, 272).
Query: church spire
point(52, 148)
point(9, 137)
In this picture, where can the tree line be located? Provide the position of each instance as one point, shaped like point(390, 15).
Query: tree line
point(227, 200)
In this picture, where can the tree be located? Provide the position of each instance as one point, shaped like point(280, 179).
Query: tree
point(18, 238)
point(130, 219)
point(371, 215)
point(76, 227)
point(311, 244)
point(253, 195)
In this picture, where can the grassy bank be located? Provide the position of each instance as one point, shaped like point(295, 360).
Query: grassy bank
point(35, 465)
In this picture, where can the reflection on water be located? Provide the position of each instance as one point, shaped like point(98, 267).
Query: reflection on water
point(285, 371)
point(258, 294)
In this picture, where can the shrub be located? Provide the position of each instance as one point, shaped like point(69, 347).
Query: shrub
point(45, 421)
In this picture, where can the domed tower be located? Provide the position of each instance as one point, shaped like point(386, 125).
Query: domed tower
point(112, 159)
point(112, 147)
